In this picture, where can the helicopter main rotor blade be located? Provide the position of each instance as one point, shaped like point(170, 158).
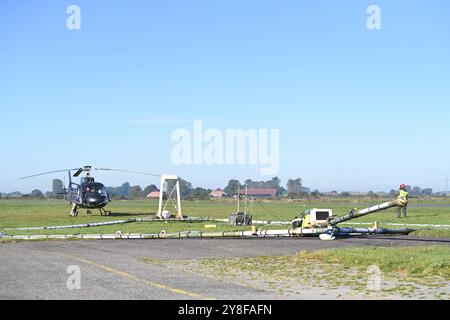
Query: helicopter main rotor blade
point(44, 173)
point(76, 174)
point(131, 171)
point(80, 170)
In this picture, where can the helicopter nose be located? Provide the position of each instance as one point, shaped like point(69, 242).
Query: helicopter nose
point(92, 199)
point(96, 199)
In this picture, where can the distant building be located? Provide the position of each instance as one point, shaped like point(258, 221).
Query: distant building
point(154, 194)
point(264, 193)
point(218, 193)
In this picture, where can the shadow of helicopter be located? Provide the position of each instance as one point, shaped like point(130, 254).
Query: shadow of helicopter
point(130, 214)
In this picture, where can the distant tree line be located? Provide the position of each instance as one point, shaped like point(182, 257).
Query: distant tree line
point(234, 185)
point(294, 189)
point(418, 192)
point(127, 191)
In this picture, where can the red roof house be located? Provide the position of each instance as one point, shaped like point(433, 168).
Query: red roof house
point(218, 193)
point(268, 193)
point(154, 194)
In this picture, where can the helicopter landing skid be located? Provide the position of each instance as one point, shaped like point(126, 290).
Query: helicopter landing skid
point(74, 210)
point(103, 212)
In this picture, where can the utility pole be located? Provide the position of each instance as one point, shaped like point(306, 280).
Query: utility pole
point(446, 185)
point(239, 199)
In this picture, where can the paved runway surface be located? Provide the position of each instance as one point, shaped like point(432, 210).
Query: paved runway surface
point(111, 269)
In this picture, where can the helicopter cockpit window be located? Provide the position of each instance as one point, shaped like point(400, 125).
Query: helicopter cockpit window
point(95, 188)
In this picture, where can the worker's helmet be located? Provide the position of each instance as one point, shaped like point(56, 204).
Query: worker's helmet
point(402, 186)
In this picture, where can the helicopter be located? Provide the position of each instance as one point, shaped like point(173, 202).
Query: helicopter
point(88, 194)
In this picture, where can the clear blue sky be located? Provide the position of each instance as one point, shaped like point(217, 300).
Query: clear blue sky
point(357, 109)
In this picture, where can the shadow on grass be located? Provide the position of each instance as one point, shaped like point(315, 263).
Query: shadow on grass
point(130, 214)
point(95, 213)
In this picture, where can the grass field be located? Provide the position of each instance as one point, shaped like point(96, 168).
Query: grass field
point(405, 272)
point(32, 213)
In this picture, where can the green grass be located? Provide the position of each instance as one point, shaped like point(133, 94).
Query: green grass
point(429, 260)
point(420, 272)
point(29, 213)
point(331, 268)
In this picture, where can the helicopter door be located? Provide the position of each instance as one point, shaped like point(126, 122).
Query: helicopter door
point(75, 193)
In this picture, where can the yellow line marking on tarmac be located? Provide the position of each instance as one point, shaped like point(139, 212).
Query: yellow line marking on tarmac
point(136, 278)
